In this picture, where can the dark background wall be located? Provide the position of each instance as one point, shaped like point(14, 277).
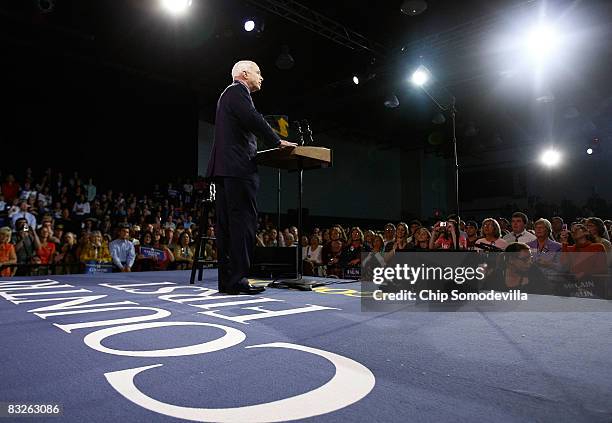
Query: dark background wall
point(124, 128)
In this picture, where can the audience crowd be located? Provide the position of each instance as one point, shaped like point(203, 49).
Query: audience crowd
point(57, 224)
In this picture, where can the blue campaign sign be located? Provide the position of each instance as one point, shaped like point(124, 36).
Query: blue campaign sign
point(93, 266)
point(149, 252)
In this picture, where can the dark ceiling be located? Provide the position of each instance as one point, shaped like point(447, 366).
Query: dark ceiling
point(461, 42)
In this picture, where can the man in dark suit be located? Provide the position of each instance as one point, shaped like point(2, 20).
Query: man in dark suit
point(232, 167)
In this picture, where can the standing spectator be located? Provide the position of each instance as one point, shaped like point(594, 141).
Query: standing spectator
point(90, 190)
point(26, 243)
point(10, 189)
point(23, 213)
point(68, 254)
point(46, 248)
point(183, 253)
point(7, 252)
point(491, 232)
point(81, 208)
point(519, 234)
point(122, 251)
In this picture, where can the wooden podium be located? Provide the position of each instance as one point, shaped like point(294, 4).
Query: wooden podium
point(298, 159)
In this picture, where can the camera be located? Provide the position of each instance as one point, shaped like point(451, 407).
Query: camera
point(442, 224)
point(25, 228)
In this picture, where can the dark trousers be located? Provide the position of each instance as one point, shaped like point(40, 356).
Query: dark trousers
point(236, 208)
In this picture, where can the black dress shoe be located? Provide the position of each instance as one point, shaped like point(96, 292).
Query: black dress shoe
point(249, 290)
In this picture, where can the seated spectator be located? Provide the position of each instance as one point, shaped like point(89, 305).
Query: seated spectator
point(351, 254)
point(598, 231)
point(7, 252)
point(68, 254)
point(312, 257)
point(374, 259)
point(122, 251)
point(471, 230)
point(421, 240)
point(159, 244)
point(368, 238)
point(389, 236)
point(183, 252)
point(591, 262)
point(443, 236)
point(413, 226)
point(519, 233)
point(491, 232)
point(517, 272)
point(557, 226)
point(23, 213)
point(333, 267)
point(401, 242)
point(170, 238)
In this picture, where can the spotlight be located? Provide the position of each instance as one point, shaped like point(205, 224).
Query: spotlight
point(589, 151)
point(356, 80)
point(176, 7)
point(550, 158)
point(420, 76)
point(249, 25)
point(542, 41)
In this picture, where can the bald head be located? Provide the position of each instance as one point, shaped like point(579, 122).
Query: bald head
point(249, 73)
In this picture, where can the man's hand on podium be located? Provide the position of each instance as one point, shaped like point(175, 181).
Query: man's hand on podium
point(284, 143)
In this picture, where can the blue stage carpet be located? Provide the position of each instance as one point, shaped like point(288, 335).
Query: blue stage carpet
point(177, 351)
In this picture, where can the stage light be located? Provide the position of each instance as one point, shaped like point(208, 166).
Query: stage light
point(176, 7)
point(356, 80)
point(249, 25)
point(589, 151)
point(550, 158)
point(413, 7)
point(420, 77)
point(391, 102)
point(542, 41)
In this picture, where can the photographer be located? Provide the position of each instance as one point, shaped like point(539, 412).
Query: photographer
point(26, 244)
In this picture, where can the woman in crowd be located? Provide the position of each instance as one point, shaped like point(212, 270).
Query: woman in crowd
point(401, 241)
point(591, 262)
point(96, 250)
point(491, 239)
point(7, 252)
point(67, 256)
point(443, 236)
point(46, 248)
point(351, 254)
point(183, 252)
point(420, 240)
point(158, 243)
point(312, 256)
point(600, 235)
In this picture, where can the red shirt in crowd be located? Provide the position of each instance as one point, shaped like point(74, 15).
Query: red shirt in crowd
point(10, 191)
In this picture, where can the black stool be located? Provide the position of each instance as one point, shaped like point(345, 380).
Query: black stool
point(199, 259)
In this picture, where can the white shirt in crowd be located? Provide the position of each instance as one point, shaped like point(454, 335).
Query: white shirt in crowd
point(523, 237)
point(312, 255)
